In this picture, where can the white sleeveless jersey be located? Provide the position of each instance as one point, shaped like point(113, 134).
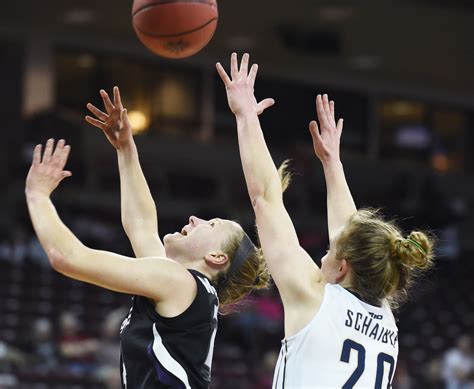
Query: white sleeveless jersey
point(348, 344)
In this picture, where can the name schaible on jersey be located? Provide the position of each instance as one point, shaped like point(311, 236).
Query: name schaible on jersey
point(368, 326)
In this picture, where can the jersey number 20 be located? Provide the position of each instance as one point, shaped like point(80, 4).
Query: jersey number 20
point(381, 359)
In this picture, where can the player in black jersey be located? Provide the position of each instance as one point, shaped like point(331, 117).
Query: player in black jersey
point(167, 338)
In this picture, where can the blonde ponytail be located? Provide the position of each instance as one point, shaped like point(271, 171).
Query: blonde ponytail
point(416, 251)
point(383, 263)
point(285, 175)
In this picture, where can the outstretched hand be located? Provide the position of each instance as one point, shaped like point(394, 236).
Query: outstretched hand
point(240, 87)
point(114, 122)
point(47, 171)
point(326, 137)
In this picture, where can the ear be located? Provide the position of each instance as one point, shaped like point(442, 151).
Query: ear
point(216, 259)
point(342, 270)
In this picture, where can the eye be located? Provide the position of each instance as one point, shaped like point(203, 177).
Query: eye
point(212, 224)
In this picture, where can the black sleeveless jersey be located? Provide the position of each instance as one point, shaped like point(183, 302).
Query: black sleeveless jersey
point(160, 352)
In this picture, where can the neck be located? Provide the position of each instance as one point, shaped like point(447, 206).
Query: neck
point(201, 268)
point(198, 265)
point(346, 282)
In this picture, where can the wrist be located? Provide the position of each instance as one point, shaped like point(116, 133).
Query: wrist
point(35, 194)
point(127, 146)
point(331, 162)
point(246, 115)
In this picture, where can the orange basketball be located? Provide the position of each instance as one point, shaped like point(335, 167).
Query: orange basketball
point(175, 28)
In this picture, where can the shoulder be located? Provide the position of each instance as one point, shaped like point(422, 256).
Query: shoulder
point(180, 290)
point(298, 316)
point(195, 304)
point(170, 273)
point(327, 301)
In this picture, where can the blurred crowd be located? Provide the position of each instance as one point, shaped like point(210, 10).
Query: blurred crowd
point(65, 348)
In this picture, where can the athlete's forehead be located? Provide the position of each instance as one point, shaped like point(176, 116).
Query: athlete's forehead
point(219, 220)
point(225, 222)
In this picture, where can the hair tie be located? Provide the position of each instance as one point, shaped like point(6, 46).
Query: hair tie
point(417, 245)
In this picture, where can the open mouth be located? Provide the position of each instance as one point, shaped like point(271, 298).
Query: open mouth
point(183, 232)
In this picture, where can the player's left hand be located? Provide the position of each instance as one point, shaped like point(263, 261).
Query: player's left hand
point(326, 137)
point(114, 123)
point(47, 171)
point(240, 87)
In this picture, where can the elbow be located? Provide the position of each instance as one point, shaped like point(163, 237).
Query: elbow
point(258, 191)
point(255, 199)
point(262, 198)
point(259, 203)
point(64, 262)
point(58, 260)
point(268, 187)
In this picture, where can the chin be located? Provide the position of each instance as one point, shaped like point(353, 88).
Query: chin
point(172, 244)
point(168, 240)
point(172, 237)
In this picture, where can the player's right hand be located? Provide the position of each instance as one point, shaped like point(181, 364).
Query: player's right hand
point(114, 123)
point(240, 87)
point(47, 170)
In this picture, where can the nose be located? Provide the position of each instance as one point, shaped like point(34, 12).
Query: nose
point(194, 221)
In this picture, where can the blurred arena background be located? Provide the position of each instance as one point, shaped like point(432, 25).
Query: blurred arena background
point(401, 73)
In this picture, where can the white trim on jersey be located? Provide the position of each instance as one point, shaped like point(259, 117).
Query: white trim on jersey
point(124, 375)
point(207, 285)
point(208, 361)
point(279, 375)
point(167, 361)
point(210, 289)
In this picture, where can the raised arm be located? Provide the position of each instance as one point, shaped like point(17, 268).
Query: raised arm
point(139, 216)
point(326, 143)
point(294, 272)
point(155, 278)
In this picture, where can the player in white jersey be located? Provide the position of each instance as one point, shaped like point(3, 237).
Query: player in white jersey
point(339, 328)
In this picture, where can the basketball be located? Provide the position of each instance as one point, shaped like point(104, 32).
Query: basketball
point(175, 29)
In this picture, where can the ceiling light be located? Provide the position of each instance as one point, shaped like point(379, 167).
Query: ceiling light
point(139, 121)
